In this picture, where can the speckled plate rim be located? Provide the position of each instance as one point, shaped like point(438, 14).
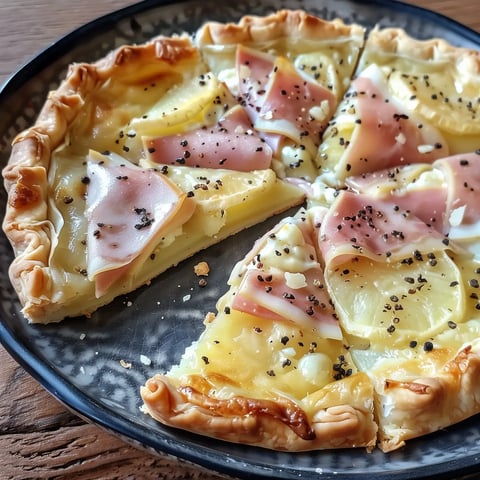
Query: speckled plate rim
point(208, 456)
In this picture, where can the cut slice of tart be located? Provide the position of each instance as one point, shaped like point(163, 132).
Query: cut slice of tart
point(411, 101)
point(289, 69)
point(271, 368)
point(100, 201)
point(402, 267)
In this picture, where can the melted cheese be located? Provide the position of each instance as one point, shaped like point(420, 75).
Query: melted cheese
point(447, 99)
point(241, 353)
point(184, 105)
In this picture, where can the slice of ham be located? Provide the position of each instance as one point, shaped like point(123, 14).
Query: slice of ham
point(360, 225)
point(281, 101)
point(462, 213)
point(449, 202)
point(394, 185)
point(270, 291)
point(385, 134)
point(231, 143)
point(253, 70)
point(128, 210)
point(270, 297)
point(462, 174)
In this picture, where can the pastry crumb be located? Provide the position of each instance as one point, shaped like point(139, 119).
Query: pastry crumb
point(209, 318)
point(125, 364)
point(201, 269)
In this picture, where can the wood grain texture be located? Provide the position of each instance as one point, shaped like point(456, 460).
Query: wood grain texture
point(39, 437)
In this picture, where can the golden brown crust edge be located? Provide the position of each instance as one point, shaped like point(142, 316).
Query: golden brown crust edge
point(428, 404)
point(284, 23)
point(26, 223)
point(256, 422)
point(397, 42)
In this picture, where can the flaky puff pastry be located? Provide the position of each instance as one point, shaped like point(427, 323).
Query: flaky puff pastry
point(290, 25)
point(337, 416)
point(409, 405)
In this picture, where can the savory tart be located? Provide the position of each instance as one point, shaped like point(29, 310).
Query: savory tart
point(167, 114)
point(353, 323)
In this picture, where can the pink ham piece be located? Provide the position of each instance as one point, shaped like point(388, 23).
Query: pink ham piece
point(268, 296)
point(452, 203)
point(266, 291)
point(462, 174)
point(427, 204)
point(128, 210)
point(385, 134)
point(360, 225)
point(254, 68)
point(280, 101)
point(230, 144)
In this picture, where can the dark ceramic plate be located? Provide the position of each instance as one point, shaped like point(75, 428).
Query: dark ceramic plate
point(78, 361)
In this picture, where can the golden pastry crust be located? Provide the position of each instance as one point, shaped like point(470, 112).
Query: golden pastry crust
point(26, 222)
point(291, 24)
point(341, 419)
point(423, 405)
point(434, 79)
point(397, 42)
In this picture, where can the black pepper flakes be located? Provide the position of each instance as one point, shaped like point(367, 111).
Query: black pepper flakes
point(145, 219)
point(286, 363)
point(428, 346)
point(473, 283)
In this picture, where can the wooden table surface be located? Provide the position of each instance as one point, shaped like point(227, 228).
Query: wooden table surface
point(39, 437)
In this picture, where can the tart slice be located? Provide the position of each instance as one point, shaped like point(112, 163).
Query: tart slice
point(103, 194)
point(289, 70)
point(402, 266)
point(271, 368)
point(411, 101)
